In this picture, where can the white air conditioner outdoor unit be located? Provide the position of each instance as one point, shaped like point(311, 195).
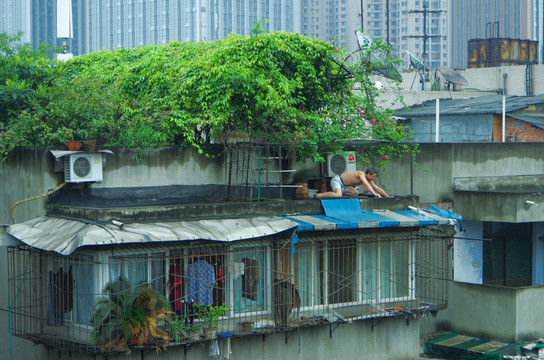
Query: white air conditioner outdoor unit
point(338, 164)
point(83, 167)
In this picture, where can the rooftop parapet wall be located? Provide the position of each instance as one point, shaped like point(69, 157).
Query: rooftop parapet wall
point(29, 173)
point(502, 184)
point(146, 210)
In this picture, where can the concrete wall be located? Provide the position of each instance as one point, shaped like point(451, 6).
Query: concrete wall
point(494, 312)
point(390, 339)
point(28, 173)
point(439, 163)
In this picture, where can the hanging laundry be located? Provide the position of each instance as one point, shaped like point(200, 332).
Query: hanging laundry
point(174, 281)
point(236, 269)
point(200, 283)
point(219, 276)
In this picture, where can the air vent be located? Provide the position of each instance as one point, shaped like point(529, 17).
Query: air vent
point(83, 167)
point(338, 164)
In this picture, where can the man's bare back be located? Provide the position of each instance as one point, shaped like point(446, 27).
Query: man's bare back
point(344, 184)
point(353, 178)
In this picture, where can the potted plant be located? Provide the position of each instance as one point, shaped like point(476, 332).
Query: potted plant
point(209, 315)
point(126, 316)
point(181, 329)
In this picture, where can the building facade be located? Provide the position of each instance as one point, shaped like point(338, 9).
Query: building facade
point(364, 284)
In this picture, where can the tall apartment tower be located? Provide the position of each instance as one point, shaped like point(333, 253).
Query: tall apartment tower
point(410, 25)
point(482, 19)
point(115, 24)
point(31, 17)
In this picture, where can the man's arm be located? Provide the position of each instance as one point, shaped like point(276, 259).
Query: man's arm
point(379, 189)
point(369, 185)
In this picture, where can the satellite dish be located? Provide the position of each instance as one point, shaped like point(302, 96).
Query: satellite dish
point(363, 41)
point(452, 76)
point(416, 64)
point(377, 58)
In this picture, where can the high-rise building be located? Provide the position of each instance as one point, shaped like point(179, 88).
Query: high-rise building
point(118, 24)
point(484, 19)
point(115, 24)
point(419, 26)
point(29, 16)
point(334, 21)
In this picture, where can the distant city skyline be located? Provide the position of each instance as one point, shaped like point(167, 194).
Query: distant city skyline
point(116, 24)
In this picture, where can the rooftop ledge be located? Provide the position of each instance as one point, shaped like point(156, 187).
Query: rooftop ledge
point(501, 184)
point(179, 203)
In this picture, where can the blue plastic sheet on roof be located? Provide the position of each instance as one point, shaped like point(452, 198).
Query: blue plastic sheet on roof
point(423, 220)
point(347, 214)
point(383, 221)
point(446, 214)
point(344, 209)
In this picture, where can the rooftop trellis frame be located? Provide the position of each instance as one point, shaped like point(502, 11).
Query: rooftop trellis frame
point(267, 284)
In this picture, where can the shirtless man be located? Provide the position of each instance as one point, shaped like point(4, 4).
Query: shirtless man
point(343, 184)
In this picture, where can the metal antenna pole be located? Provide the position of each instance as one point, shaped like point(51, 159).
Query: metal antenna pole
point(387, 23)
point(362, 16)
point(425, 36)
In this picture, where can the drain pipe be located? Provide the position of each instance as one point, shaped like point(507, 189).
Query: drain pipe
point(437, 121)
point(503, 118)
point(504, 107)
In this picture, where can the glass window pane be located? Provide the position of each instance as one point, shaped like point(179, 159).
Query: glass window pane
point(250, 285)
point(83, 289)
point(132, 267)
point(395, 271)
point(342, 273)
point(157, 273)
point(370, 272)
point(308, 276)
point(400, 268)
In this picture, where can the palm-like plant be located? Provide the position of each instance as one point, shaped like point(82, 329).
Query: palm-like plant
point(128, 315)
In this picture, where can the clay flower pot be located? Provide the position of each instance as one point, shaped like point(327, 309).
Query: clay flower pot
point(89, 145)
point(73, 145)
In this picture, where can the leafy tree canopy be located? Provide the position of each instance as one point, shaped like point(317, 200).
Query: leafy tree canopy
point(271, 88)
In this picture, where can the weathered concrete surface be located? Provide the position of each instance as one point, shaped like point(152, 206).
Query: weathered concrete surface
point(146, 213)
point(390, 339)
point(494, 312)
point(506, 207)
point(29, 173)
point(440, 164)
point(500, 184)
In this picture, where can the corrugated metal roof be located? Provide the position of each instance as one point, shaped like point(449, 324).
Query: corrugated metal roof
point(535, 119)
point(474, 106)
point(65, 236)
